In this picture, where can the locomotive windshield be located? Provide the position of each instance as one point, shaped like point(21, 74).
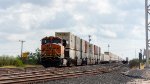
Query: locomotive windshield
point(45, 41)
point(56, 40)
point(52, 40)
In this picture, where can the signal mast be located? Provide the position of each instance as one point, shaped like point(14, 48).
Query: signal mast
point(147, 30)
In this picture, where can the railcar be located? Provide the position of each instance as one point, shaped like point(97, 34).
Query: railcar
point(66, 49)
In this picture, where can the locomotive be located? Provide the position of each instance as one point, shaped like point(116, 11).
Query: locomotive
point(66, 49)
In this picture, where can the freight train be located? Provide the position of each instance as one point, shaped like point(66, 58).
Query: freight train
point(66, 49)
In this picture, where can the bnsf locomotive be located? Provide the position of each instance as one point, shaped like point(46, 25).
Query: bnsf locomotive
point(66, 49)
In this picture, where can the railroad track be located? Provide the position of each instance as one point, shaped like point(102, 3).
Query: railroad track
point(47, 75)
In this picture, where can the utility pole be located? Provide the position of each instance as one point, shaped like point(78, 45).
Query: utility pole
point(108, 48)
point(21, 46)
point(147, 25)
point(109, 52)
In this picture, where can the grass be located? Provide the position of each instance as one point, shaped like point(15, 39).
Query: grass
point(14, 62)
point(10, 61)
point(8, 67)
point(25, 66)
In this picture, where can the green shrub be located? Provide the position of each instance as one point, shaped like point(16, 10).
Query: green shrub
point(18, 63)
point(134, 63)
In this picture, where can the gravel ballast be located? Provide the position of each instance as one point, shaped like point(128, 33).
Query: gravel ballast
point(137, 73)
point(115, 77)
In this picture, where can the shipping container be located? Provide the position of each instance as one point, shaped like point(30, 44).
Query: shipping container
point(70, 53)
point(96, 58)
point(95, 50)
point(105, 57)
point(83, 45)
point(84, 55)
point(79, 57)
point(99, 54)
point(77, 43)
point(99, 50)
point(87, 55)
point(91, 54)
point(78, 54)
point(91, 49)
point(112, 56)
point(69, 37)
point(87, 47)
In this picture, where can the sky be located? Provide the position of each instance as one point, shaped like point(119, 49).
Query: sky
point(119, 23)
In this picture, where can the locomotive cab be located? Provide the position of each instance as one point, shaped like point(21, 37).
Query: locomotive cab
point(52, 51)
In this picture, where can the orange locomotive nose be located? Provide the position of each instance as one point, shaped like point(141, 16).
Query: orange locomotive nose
point(51, 50)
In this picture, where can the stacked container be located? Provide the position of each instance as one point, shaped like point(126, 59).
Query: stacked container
point(91, 54)
point(83, 49)
point(105, 57)
point(77, 43)
point(99, 55)
point(96, 53)
point(78, 47)
point(70, 39)
point(87, 49)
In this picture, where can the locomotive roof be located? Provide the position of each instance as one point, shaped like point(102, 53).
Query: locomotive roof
point(51, 37)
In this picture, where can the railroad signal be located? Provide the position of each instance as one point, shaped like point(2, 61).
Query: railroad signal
point(90, 38)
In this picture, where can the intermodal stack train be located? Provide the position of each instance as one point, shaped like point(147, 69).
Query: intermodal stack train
point(67, 49)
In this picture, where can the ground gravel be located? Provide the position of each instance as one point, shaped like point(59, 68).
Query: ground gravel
point(137, 73)
point(115, 77)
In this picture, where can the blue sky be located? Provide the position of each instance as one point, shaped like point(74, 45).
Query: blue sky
point(119, 23)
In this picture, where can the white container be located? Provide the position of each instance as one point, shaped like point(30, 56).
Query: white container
point(95, 50)
point(83, 55)
point(96, 58)
point(87, 47)
point(77, 43)
point(113, 57)
point(83, 45)
point(91, 48)
point(78, 54)
point(99, 54)
point(87, 55)
point(69, 37)
point(71, 53)
point(91, 51)
point(99, 50)
point(105, 57)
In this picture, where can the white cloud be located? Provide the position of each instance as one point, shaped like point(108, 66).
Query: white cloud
point(108, 21)
point(138, 32)
point(103, 7)
point(107, 33)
